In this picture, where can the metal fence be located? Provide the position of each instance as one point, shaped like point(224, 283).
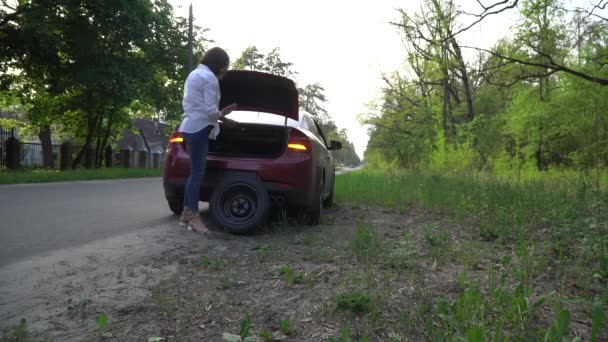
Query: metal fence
point(4, 134)
point(31, 156)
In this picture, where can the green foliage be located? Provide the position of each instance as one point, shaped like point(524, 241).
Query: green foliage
point(538, 104)
point(9, 123)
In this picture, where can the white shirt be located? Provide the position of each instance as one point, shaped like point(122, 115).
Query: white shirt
point(201, 102)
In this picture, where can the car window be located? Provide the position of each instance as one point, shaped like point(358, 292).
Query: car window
point(312, 127)
point(304, 123)
point(317, 131)
point(261, 117)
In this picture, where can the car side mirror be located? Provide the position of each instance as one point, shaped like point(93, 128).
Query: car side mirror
point(335, 145)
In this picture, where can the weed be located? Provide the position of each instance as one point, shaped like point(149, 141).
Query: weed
point(286, 327)
point(245, 326)
point(344, 335)
point(216, 264)
point(283, 224)
point(228, 282)
point(401, 254)
point(355, 302)
point(204, 261)
point(164, 301)
point(291, 277)
point(18, 333)
point(102, 321)
point(307, 239)
point(81, 308)
point(266, 335)
point(320, 255)
point(439, 241)
point(367, 245)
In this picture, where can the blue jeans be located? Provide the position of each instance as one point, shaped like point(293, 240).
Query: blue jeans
point(198, 146)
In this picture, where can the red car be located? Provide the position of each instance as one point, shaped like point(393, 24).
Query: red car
point(275, 153)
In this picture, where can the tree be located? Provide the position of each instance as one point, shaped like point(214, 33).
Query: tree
point(94, 60)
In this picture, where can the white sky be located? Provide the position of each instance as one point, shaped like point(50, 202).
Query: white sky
point(343, 45)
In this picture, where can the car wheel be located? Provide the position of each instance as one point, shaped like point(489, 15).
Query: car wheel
point(176, 205)
point(239, 205)
point(317, 210)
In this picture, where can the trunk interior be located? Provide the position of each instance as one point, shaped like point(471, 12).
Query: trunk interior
point(250, 140)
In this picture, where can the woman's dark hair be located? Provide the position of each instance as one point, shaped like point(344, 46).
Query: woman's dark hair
point(215, 59)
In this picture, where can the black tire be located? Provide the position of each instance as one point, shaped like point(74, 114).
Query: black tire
point(329, 201)
point(176, 205)
point(317, 209)
point(239, 204)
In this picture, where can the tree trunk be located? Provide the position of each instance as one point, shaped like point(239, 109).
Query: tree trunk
point(106, 136)
point(84, 151)
point(47, 148)
point(470, 115)
point(444, 112)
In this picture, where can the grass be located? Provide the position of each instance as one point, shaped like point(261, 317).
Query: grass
point(541, 239)
point(48, 176)
point(291, 277)
point(164, 300)
point(356, 302)
point(17, 333)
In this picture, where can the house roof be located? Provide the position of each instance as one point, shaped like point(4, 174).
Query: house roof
point(10, 115)
point(155, 134)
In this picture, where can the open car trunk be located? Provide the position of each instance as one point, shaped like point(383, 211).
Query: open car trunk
point(256, 92)
point(250, 140)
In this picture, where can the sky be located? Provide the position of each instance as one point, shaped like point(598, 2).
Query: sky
point(343, 45)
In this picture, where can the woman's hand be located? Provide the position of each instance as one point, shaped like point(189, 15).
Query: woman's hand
point(228, 109)
point(229, 123)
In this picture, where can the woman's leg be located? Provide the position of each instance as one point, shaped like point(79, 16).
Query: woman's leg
point(198, 146)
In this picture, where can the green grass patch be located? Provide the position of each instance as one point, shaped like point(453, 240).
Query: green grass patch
point(17, 333)
point(541, 238)
point(48, 176)
point(291, 277)
point(502, 205)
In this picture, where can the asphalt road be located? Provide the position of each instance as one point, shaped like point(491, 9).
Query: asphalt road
point(39, 218)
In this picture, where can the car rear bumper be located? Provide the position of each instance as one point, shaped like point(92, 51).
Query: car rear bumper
point(174, 188)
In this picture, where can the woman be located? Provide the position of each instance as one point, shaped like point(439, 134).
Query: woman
point(201, 115)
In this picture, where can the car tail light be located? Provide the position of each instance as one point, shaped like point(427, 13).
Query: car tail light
point(298, 141)
point(176, 137)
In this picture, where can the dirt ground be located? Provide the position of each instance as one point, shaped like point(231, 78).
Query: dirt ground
point(288, 281)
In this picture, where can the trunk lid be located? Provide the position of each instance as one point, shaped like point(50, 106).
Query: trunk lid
point(263, 92)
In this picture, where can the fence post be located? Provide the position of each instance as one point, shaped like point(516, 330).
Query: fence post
point(108, 156)
point(125, 158)
point(89, 158)
point(66, 156)
point(13, 153)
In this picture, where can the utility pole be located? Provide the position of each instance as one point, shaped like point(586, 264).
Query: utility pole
point(190, 38)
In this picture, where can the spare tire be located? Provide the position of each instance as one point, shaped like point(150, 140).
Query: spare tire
point(239, 204)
